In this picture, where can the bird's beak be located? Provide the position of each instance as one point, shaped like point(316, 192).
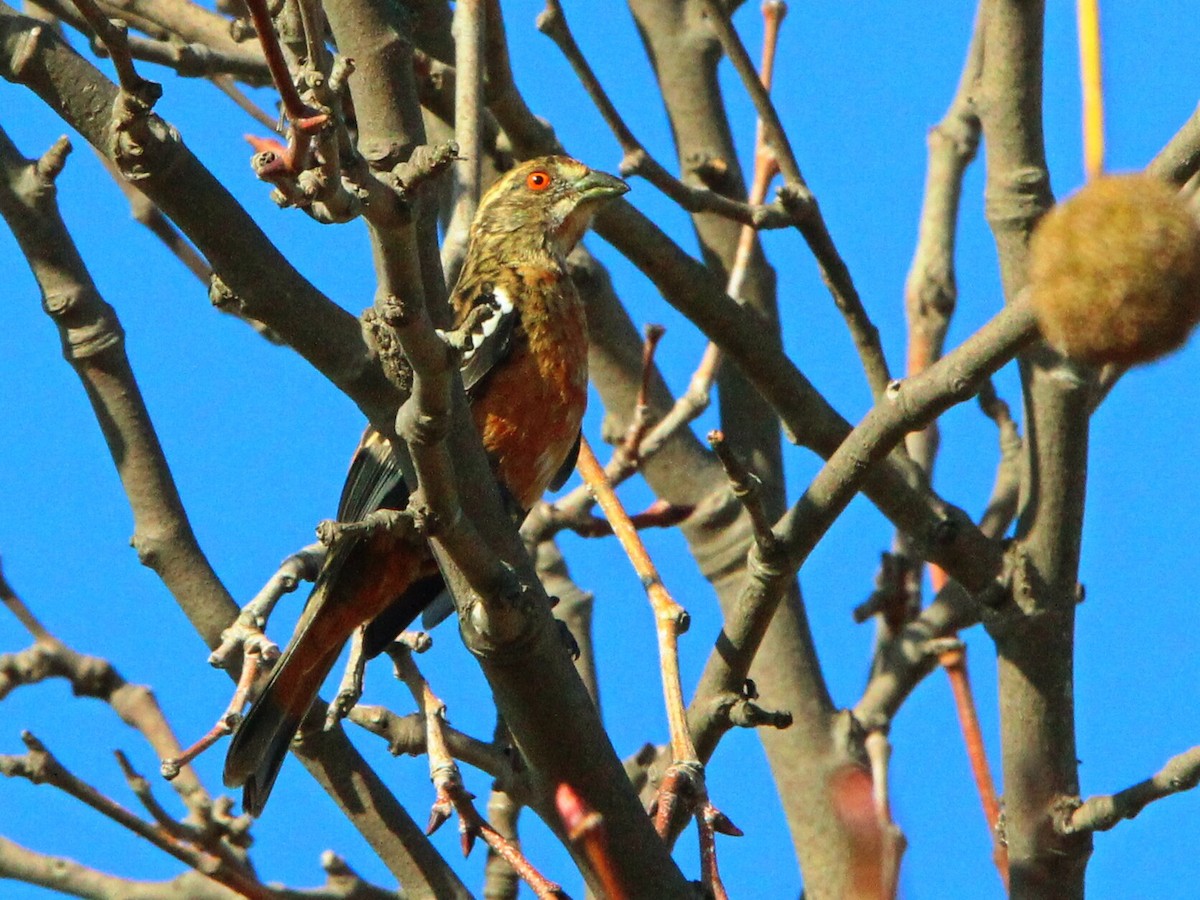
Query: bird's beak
point(600, 186)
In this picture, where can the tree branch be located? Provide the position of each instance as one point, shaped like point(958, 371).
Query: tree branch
point(1102, 812)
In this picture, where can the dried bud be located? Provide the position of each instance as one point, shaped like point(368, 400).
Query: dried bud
point(1115, 271)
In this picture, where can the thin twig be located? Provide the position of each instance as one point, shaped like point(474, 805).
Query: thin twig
point(228, 86)
point(640, 421)
point(1002, 504)
point(954, 661)
point(23, 613)
point(407, 735)
point(637, 160)
point(746, 487)
point(1100, 813)
point(1091, 74)
point(246, 631)
point(245, 639)
point(803, 206)
point(671, 619)
point(113, 35)
point(252, 659)
point(41, 767)
point(92, 676)
point(451, 795)
point(351, 686)
point(682, 788)
point(931, 290)
point(299, 113)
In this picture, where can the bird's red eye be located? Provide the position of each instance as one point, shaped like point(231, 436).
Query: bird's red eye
point(537, 181)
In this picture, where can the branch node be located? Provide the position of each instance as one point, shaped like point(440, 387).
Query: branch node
point(52, 162)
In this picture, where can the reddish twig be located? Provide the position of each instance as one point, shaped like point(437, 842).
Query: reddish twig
point(954, 661)
point(683, 786)
point(671, 619)
point(640, 423)
point(299, 113)
point(659, 514)
point(585, 826)
point(247, 635)
point(252, 658)
point(450, 795)
point(766, 166)
point(304, 121)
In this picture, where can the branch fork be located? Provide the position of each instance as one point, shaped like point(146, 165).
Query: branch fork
point(450, 795)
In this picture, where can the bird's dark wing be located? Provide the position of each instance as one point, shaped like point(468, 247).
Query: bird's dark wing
point(375, 480)
point(377, 475)
point(492, 338)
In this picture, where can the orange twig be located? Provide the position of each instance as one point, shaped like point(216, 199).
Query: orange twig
point(671, 618)
point(170, 766)
point(451, 796)
point(683, 785)
point(955, 664)
point(585, 826)
point(1088, 12)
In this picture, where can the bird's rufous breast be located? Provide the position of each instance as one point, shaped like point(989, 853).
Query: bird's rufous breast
point(532, 407)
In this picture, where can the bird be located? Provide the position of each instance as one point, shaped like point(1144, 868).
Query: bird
point(525, 374)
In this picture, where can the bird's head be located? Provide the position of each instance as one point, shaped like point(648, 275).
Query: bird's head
point(544, 203)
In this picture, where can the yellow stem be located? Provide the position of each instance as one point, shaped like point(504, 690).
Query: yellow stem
point(1093, 89)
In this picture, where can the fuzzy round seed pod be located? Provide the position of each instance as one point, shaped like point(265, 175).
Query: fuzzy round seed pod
point(1114, 271)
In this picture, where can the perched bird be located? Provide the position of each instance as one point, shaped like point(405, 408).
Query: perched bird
point(526, 379)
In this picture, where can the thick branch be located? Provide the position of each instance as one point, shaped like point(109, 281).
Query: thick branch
point(907, 405)
point(504, 614)
point(94, 344)
point(1035, 634)
point(253, 273)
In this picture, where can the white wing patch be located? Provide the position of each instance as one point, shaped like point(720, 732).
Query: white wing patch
point(502, 305)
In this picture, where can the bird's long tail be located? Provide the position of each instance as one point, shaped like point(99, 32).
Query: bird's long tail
point(357, 584)
point(261, 742)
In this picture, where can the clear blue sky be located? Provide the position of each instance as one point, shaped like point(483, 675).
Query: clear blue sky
point(258, 444)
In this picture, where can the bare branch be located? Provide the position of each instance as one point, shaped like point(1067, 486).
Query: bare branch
point(1102, 812)
point(803, 206)
point(40, 767)
point(93, 343)
point(452, 796)
point(879, 752)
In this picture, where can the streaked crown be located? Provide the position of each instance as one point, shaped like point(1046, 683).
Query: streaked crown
point(543, 203)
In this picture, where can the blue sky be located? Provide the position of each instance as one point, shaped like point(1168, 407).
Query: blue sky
point(258, 444)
